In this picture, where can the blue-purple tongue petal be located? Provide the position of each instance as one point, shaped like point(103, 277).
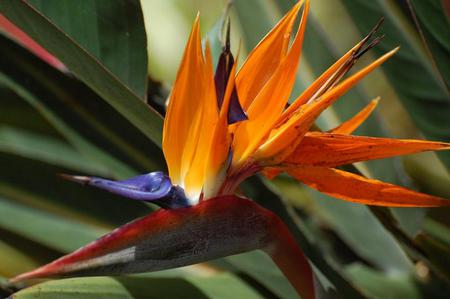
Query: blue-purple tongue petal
point(235, 111)
point(223, 70)
point(154, 187)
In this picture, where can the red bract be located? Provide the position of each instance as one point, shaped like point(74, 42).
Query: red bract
point(173, 238)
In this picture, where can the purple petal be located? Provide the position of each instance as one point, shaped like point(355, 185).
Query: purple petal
point(155, 187)
point(223, 71)
point(235, 111)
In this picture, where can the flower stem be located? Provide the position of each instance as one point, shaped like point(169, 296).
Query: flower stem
point(290, 259)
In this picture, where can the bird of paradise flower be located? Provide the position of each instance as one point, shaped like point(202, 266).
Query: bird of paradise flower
point(221, 128)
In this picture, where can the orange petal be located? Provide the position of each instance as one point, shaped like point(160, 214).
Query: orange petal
point(355, 188)
point(265, 58)
point(331, 150)
point(270, 102)
point(208, 118)
point(353, 123)
point(221, 142)
point(180, 121)
point(284, 140)
point(317, 84)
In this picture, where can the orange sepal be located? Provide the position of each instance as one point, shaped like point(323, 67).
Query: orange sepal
point(208, 119)
point(319, 83)
point(221, 142)
point(353, 123)
point(354, 188)
point(283, 140)
point(270, 102)
point(265, 58)
point(181, 121)
point(332, 150)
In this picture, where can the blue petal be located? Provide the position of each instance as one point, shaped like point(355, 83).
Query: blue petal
point(154, 187)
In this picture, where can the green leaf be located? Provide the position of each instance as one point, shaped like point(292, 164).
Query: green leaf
point(437, 230)
point(223, 286)
point(113, 32)
point(29, 184)
point(17, 262)
point(44, 148)
point(433, 25)
point(72, 135)
point(437, 252)
point(380, 286)
point(259, 266)
point(47, 229)
point(355, 224)
point(219, 287)
point(15, 110)
point(77, 113)
point(85, 66)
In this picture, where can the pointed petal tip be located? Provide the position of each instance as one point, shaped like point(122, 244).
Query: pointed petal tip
point(196, 25)
point(33, 274)
point(358, 189)
point(299, 4)
point(75, 178)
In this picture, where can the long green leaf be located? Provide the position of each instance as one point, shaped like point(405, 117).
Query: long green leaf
point(260, 267)
point(353, 222)
point(220, 287)
point(44, 148)
point(77, 113)
point(434, 27)
point(85, 66)
point(380, 286)
point(35, 184)
point(111, 31)
point(53, 231)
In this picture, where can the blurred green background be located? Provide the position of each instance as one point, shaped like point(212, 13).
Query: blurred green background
point(91, 121)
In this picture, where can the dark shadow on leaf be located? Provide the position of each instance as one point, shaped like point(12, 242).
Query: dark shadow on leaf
point(160, 288)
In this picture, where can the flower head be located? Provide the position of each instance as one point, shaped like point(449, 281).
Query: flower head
point(220, 129)
point(224, 126)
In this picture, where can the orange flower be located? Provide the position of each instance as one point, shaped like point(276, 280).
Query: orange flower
point(207, 155)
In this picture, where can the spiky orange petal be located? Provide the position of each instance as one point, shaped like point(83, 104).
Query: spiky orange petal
point(182, 114)
point(306, 95)
point(353, 123)
point(209, 115)
point(270, 102)
point(265, 58)
point(332, 150)
point(285, 139)
point(354, 188)
point(221, 141)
